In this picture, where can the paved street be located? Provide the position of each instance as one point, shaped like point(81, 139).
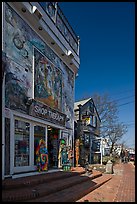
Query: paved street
point(121, 188)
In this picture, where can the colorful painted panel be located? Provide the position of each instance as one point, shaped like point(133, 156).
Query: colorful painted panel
point(48, 81)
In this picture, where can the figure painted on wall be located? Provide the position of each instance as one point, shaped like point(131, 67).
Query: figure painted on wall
point(41, 156)
point(77, 151)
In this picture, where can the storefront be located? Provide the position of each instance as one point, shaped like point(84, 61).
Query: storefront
point(23, 134)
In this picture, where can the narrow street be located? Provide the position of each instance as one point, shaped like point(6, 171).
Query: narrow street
point(121, 188)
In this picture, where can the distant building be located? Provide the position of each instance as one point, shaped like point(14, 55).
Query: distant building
point(87, 123)
point(131, 150)
point(40, 55)
point(105, 147)
point(118, 148)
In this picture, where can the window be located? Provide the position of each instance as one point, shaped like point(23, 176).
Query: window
point(21, 141)
point(94, 121)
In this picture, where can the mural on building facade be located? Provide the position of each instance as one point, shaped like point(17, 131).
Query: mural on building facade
point(68, 99)
point(17, 45)
point(47, 81)
point(20, 41)
point(16, 84)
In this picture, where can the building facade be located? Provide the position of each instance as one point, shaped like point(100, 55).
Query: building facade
point(87, 123)
point(40, 60)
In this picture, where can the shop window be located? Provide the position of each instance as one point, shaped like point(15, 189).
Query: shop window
point(39, 133)
point(22, 132)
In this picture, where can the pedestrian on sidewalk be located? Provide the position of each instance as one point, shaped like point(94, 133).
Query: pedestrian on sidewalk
point(122, 155)
point(126, 156)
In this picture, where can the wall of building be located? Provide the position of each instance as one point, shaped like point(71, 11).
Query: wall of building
point(32, 69)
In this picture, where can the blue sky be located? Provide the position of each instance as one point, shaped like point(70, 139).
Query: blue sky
point(107, 54)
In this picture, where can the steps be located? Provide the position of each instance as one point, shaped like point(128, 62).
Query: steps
point(52, 187)
point(75, 192)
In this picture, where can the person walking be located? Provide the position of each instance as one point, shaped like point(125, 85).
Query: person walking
point(126, 156)
point(122, 155)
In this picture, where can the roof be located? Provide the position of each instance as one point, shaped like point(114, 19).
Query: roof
point(82, 102)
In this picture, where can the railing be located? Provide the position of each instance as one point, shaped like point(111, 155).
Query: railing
point(54, 12)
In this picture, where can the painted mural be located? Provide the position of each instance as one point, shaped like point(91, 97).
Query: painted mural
point(17, 43)
point(21, 45)
point(47, 81)
point(16, 84)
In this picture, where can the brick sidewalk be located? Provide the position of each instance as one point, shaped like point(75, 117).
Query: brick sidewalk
point(121, 188)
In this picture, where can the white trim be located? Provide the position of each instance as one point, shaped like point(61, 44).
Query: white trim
point(11, 144)
point(3, 27)
point(31, 146)
point(3, 99)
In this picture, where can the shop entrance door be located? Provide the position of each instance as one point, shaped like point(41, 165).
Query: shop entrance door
point(53, 147)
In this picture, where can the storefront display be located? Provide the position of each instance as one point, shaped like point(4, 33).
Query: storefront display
point(65, 155)
point(42, 156)
point(53, 147)
point(22, 131)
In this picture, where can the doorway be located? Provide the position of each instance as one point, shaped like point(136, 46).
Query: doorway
point(39, 133)
point(53, 147)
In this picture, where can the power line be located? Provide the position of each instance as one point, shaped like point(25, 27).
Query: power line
point(126, 103)
point(117, 105)
point(124, 98)
point(124, 92)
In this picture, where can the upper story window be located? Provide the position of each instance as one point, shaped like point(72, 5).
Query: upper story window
point(91, 108)
point(90, 120)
